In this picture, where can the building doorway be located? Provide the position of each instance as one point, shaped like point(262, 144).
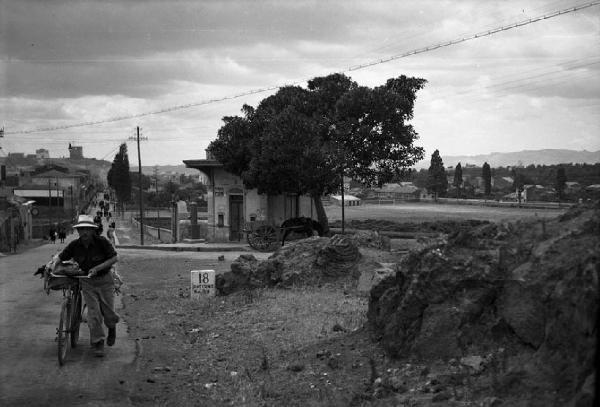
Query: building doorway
point(236, 218)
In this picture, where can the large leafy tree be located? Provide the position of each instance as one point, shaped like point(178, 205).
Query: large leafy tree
point(118, 176)
point(437, 180)
point(304, 141)
point(458, 179)
point(486, 174)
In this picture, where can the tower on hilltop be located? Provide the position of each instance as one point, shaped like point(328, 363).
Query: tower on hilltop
point(75, 152)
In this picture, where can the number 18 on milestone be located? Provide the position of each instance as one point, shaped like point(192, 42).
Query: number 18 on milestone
point(203, 284)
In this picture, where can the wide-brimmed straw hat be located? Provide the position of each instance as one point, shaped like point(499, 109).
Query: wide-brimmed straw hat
point(85, 221)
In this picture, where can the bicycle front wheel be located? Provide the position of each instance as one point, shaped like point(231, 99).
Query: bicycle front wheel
point(63, 331)
point(75, 319)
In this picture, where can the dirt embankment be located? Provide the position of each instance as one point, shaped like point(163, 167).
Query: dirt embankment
point(485, 315)
point(512, 305)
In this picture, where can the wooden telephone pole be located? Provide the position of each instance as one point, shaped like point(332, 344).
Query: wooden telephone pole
point(140, 185)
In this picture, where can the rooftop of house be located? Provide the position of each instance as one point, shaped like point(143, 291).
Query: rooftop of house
point(397, 188)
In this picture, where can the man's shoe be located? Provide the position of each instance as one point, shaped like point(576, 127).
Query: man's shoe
point(112, 335)
point(99, 349)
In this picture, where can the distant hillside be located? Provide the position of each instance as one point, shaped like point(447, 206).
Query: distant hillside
point(526, 157)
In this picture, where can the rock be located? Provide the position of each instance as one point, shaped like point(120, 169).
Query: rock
point(475, 363)
point(333, 362)
point(396, 383)
point(372, 273)
point(441, 396)
point(304, 262)
point(491, 402)
point(339, 257)
point(338, 328)
point(436, 337)
point(296, 367)
point(323, 354)
point(521, 307)
point(489, 287)
point(371, 238)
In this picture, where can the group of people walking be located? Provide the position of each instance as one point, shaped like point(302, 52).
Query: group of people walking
point(57, 232)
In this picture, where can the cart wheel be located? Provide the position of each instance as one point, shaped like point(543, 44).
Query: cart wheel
point(75, 320)
point(63, 331)
point(263, 238)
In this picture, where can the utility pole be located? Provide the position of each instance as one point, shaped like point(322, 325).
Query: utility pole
point(72, 204)
point(59, 212)
point(140, 186)
point(156, 200)
point(50, 214)
point(343, 203)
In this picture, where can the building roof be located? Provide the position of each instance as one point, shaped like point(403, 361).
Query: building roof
point(33, 187)
point(56, 174)
point(206, 166)
point(346, 197)
point(397, 189)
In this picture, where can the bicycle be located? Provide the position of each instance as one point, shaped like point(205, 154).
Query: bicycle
point(71, 309)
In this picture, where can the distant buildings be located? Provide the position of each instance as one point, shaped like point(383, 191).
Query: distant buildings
point(403, 191)
point(16, 156)
point(75, 152)
point(42, 153)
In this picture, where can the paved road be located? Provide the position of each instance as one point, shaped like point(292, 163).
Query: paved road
point(29, 370)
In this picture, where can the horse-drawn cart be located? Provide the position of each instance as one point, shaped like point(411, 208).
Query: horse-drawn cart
point(265, 236)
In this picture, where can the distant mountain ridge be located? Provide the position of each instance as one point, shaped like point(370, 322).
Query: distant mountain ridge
point(520, 158)
point(525, 157)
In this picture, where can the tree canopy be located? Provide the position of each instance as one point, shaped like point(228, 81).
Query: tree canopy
point(561, 182)
point(437, 181)
point(304, 141)
point(118, 176)
point(458, 178)
point(486, 174)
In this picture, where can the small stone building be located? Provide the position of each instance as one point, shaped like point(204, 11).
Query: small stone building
point(231, 205)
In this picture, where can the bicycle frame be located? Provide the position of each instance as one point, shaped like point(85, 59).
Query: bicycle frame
point(70, 318)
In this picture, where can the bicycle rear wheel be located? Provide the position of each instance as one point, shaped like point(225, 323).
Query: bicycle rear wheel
point(63, 331)
point(75, 318)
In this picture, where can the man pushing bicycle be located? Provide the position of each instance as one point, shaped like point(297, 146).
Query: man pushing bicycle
point(95, 255)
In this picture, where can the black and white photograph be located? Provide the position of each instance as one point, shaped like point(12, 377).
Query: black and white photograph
point(299, 203)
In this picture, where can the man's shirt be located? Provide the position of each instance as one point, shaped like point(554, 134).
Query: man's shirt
point(97, 252)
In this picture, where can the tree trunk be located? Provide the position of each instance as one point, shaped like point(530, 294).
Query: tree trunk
point(321, 214)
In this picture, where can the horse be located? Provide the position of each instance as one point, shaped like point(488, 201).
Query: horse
point(302, 225)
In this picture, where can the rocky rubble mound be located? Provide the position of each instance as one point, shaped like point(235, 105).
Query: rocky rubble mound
point(308, 261)
point(519, 299)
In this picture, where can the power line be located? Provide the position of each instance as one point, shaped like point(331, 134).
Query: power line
point(472, 36)
point(430, 48)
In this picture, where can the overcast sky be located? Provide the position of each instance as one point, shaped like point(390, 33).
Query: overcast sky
point(65, 63)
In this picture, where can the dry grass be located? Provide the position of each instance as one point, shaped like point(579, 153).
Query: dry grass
point(252, 348)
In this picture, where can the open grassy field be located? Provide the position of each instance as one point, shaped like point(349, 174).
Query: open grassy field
point(430, 212)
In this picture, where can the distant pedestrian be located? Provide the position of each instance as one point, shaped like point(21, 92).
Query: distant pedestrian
point(98, 223)
point(52, 235)
point(110, 232)
point(62, 234)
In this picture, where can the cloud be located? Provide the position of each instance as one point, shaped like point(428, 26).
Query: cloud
point(71, 61)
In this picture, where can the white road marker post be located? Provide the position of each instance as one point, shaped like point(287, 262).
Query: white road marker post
point(202, 284)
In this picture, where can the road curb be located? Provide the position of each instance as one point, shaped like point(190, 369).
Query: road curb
point(185, 249)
